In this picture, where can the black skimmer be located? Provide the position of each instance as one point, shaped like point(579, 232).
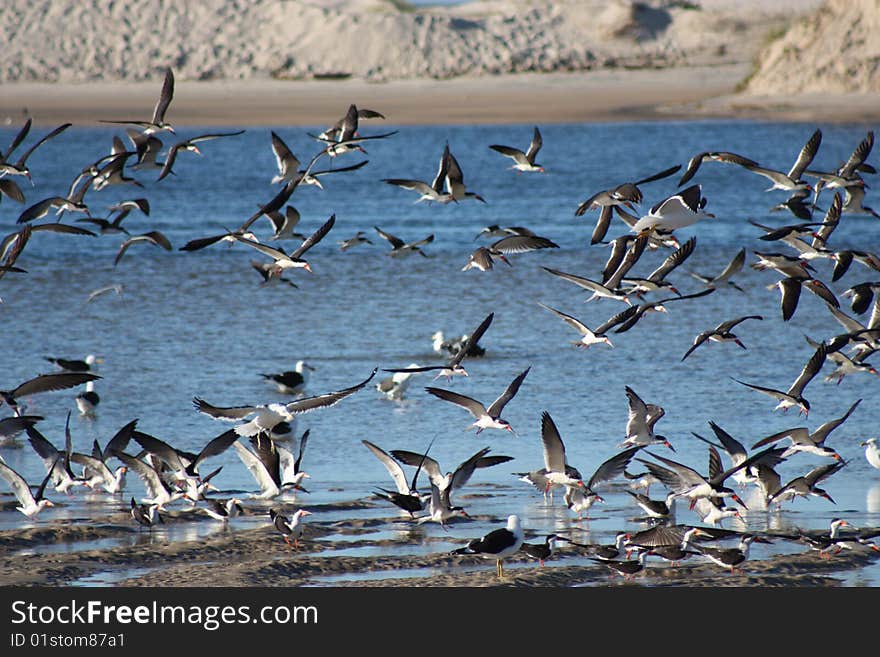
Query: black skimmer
point(19, 167)
point(440, 510)
point(678, 553)
point(844, 364)
point(455, 180)
point(847, 175)
point(687, 482)
point(629, 568)
point(731, 557)
point(721, 333)
point(267, 417)
point(523, 161)
point(159, 492)
point(270, 275)
point(713, 512)
point(656, 280)
point(844, 258)
point(791, 292)
point(433, 192)
point(290, 527)
point(273, 467)
point(853, 202)
point(73, 202)
point(589, 336)
point(541, 551)
point(713, 156)
point(291, 382)
point(157, 123)
point(223, 510)
point(482, 258)
point(12, 426)
point(738, 454)
point(407, 496)
point(495, 230)
point(794, 396)
point(604, 552)
point(399, 247)
point(732, 268)
point(789, 266)
point(359, 238)
point(29, 503)
point(105, 225)
point(284, 224)
point(45, 383)
point(862, 295)
point(145, 514)
point(345, 137)
point(792, 181)
point(485, 418)
point(612, 199)
point(499, 543)
point(101, 291)
point(454, 345)
point(653, 508)
point(154, 237)
point(802, 440)
point(294, 260)
point(448, 483)
point(56, 461)
point(806, 485)
point(640, 423)
point(454, 366)
point(184, 466)
point(288, 166)
point(609, 288)
point(872, 452)
point(678, 211)
point(190, 146)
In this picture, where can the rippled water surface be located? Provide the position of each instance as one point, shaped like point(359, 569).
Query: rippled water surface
point(199, 324)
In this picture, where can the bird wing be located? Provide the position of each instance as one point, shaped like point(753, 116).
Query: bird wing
point(255, 466)
point(636, 248)
point(791, 293)
point(57, 131)
point(637, 420)
point(230, 413)
point(473, 340)
point(522, 244)
point(50, 382)
point(303, 441)
point(414, 185)
point(724, 327)
point(16, 141)
point(820, 434)
point(575, 323)
point(554, 449)
point(498, 405)
point(602, 223)
point(327, 399)
point(612, 468)
point(700, 339)
point(285, 160)
point(810, 370)
point(215, 447)
point(315, 237)
point(161, 450)
point(808, 152)
point(165, 97)
point(692, 167)
point(732, 446)
point(465, 470)
point(391, 465)
point(673, 260)
point(585, 283)
point(148, 475)
point(474, 407)
point(733, 267)
point(395, 242)
point(534, 146)
point(515, 153)
point(659, 176)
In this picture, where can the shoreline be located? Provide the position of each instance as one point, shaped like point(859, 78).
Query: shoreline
point(607, 95)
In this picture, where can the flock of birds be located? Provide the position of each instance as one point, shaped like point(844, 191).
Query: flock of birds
point(261, 433)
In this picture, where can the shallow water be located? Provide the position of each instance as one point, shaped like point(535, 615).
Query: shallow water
point(198, 324)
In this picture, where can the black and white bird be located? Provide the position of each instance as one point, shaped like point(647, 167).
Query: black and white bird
point(265, 417)
point(406, 496)
point(146, 515)
point(485, 418)
point(541, 551)
point(45, 383)
point(294, 260)
point(792, 181)
point(640, 422)
point(30, 503)
point(589, 336)
point(273, 466)
point(732, 268)
point(401, 248)
point(731, 557)
point(289, 527)
point(154, 237)
point(523, 161)
point(677, 211)
point(189, 145)
point(291, 382)
point(483, 256)
point(497, 544)
point(806, 485)
point(453, 367)
point(157, 123)
point(223, 510)
point(713, 156)
point(794, 396)
point(803, 440)
point(721, 333)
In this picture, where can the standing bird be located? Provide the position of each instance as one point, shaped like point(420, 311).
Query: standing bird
point(523, 161)
point(730, 557)
point(872, 452)
point(145, 514)
point(499, 543)
point(291, 382)
point(486, 418)
point(541, 551)
point(289, 527)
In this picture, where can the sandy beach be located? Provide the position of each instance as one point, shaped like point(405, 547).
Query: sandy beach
point(258, 557)
point(608, 95)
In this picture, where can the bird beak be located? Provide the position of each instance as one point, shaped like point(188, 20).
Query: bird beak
point(669, 445)
point(306, 513)
point(608, 342)
point(737, 499)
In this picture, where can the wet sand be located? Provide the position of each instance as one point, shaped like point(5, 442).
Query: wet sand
point(258, 556)
point(697, 92)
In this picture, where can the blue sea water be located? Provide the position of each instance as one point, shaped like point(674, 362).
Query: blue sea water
point(199, 324)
